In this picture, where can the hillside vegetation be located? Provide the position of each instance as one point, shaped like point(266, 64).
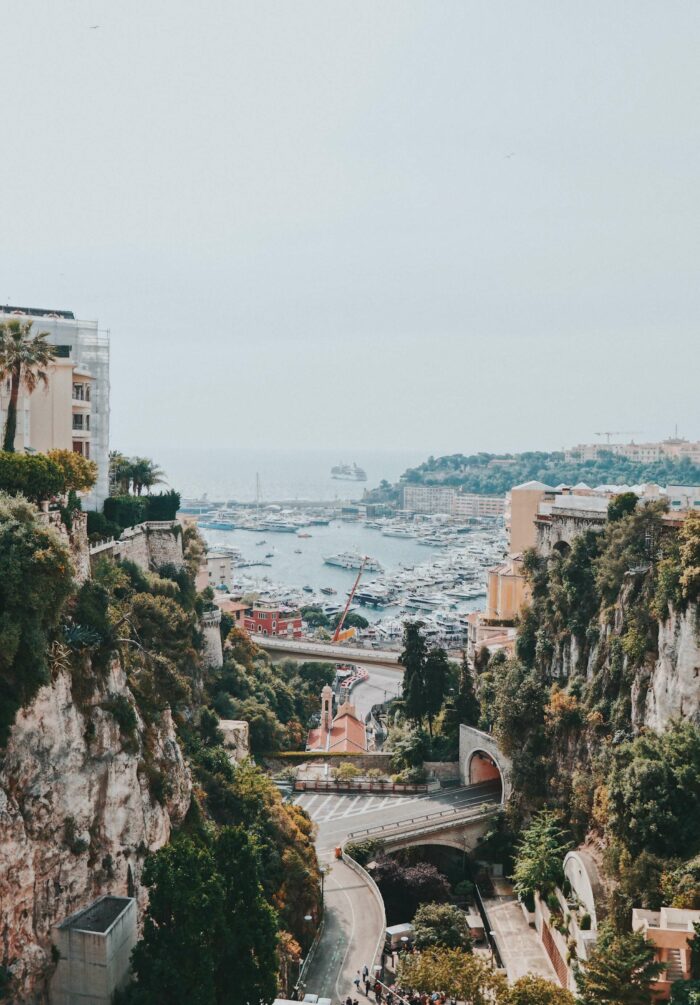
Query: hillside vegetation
point(494, 474)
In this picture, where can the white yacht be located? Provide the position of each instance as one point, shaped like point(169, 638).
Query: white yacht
point(350, 560)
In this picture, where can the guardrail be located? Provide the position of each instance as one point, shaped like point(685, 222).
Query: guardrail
point(330, 650)
point(362, 785)
point(455, 814)
point(365, 876)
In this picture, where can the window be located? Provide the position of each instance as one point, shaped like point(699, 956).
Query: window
point(77, 447)
point(63, 351)
point(78, 422)
point(274, 624)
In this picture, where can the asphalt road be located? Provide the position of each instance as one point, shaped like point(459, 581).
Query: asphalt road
point(353, 920)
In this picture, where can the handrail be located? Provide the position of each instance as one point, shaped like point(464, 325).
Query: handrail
point(456, 813)
point(364, 875)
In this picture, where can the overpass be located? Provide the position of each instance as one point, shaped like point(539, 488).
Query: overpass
point(300, 649)
point(457, 827)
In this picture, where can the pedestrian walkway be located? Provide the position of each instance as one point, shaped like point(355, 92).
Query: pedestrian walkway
point(519, 945)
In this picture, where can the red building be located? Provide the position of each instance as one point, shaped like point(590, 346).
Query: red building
point(263, 619)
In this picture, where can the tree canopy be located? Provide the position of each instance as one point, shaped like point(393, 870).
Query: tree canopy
point(619, 971)
point(441, 925)
point(540, 854)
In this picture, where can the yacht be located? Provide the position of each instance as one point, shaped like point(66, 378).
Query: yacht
point(348, 473)
point(348, 560)
point(403, 532)
point(221, 519)
point(328, 590)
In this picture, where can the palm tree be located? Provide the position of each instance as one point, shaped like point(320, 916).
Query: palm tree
point(120, 472)
point(145, 474)
point(23, 357)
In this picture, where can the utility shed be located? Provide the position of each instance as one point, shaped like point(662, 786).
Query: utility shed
point(94, 945)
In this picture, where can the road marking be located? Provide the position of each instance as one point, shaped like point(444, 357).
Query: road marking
point(351, 807)
point(306, 806)
point(321, 805)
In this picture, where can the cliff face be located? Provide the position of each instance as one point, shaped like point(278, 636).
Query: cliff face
point(674, 682)
point(78, 814)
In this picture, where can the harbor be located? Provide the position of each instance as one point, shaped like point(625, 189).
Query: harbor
point(422, 568)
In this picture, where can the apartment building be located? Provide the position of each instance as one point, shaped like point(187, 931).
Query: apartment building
point(72, 413)
point(428, 498)
point(468, 504)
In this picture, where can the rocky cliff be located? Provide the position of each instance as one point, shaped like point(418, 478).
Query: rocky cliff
point(673, 685)
point(81, 803)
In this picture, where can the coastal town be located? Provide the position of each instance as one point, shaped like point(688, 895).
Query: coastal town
point(350, 504)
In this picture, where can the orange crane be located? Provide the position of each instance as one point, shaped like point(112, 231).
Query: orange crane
point(339, 628)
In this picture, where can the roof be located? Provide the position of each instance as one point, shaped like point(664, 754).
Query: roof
point(99, 916)
point(38, 312)
point(347, 733)
point(531, 486)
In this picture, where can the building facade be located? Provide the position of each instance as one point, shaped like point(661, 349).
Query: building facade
point(644, 453)
point(273, 621)
point(428, 498)
point(469, 504)
point(82, 361)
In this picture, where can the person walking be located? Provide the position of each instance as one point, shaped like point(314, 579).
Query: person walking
point(367, 986)
point(356, 980)
point(365, 972)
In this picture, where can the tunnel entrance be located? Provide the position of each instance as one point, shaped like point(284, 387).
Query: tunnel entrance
point(483, 768)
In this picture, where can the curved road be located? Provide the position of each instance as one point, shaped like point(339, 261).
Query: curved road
point(353, 923)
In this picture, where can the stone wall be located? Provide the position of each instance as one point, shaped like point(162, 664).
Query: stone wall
point(75, 539)
point(148, 545)
point(210, 627)
point(444, 771)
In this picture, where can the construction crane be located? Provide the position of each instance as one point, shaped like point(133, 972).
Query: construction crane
point(339, 628)
point(620, 432)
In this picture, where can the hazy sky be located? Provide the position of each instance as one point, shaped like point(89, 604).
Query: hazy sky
point(442, 225)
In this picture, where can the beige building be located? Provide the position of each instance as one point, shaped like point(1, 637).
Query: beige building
point(469, 504)
point(644, 453)
point(508, 591)
point(669, 930)
point(524, 503)
point(56, 416)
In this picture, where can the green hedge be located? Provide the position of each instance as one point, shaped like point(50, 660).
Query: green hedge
point(32, 475)
point(127, 511)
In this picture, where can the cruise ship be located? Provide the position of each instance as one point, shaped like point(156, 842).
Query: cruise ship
point(349, 473)
point(348, 560)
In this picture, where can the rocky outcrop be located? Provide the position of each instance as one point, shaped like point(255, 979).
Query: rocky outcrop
point(673, 689)
point(80, 806)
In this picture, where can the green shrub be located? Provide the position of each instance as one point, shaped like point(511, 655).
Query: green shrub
point(32, 475)
point(119, 706)
point(125, 511)
point(585, 922)
point(99, 527)
point(365, 851)
point(163, 506)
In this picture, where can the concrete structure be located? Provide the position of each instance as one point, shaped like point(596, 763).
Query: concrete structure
point(94, 947)
point(508, 591)
point(468, 504)
point(428, 498)
point(85, 349)
point(236, 738)
point(669, 929)
point(523, 504)
point(482, 760)
point(340, 732)
point(272, 621)
point(683, 497)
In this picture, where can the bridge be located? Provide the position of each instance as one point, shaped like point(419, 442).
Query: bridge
point(458, 826)
point(300, 649)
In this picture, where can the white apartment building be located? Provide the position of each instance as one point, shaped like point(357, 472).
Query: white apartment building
point(428, 498)
point(85, 349)
point(219, 569)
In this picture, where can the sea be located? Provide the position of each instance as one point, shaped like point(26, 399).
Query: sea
point(231, 475)
point(225, 474)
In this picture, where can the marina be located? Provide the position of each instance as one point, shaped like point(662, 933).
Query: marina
point(413, 570)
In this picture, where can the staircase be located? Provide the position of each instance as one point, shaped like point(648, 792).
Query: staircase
point(674, 966)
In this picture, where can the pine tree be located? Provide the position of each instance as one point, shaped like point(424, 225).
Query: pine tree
point(436, 674)
point(467, 708)
point(413, 661)
point(619, 971)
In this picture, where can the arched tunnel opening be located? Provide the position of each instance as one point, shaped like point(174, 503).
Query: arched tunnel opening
point(483, 770)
